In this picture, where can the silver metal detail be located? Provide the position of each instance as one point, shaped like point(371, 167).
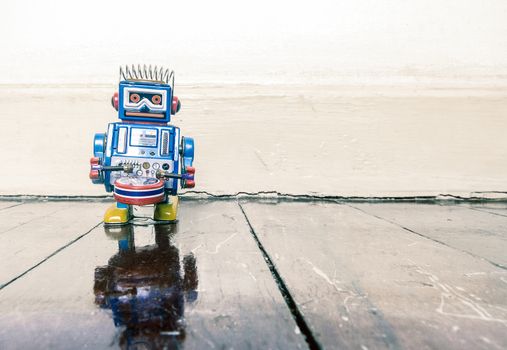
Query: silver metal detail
point(147, 73)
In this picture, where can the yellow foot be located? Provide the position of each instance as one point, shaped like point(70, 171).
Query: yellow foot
point(167, 211)
point(116, 215)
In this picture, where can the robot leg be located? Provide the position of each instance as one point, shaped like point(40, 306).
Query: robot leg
point(118, 214)
point(167, 211)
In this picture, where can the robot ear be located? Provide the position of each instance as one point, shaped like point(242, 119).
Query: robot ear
point(176, 105)
point(114, 100)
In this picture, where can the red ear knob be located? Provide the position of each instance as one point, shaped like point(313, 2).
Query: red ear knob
point(94, 161)
point(115, 100)
point(190, 170)
point(189, 184)
point(176, 105)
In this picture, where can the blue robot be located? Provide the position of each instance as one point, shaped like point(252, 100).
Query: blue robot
point(142, 158)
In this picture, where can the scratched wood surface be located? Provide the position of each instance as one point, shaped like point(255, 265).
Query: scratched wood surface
point(364, 283)
point(33, 231)
point(233, 301)
point(240, 306)
point(479, 233)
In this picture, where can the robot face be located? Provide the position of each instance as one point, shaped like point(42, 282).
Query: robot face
point(142, 101)
point(139, 102)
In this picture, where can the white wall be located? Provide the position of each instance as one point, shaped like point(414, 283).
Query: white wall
point(376, 140)
point(320, 41)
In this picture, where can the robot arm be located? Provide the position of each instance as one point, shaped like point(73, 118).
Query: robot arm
point(99, 143)
point(187, 159)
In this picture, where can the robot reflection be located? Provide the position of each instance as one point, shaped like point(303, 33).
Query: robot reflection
point(142, 158)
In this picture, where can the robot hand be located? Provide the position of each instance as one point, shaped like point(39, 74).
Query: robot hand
point(96, 168)
point(188, 177)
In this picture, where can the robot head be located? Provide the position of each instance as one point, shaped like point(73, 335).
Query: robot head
point(146, 95)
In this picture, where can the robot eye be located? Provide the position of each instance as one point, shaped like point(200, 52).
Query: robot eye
point(135, 98)
point(156, 99)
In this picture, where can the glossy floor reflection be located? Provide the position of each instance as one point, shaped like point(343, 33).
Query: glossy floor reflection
point(362, 275)
point(146, 288)
point(69, 284)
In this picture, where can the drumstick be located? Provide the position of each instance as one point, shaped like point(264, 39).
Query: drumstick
point(186, 176)
point(129, 168)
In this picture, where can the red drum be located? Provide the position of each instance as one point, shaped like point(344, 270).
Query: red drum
point(139, 190)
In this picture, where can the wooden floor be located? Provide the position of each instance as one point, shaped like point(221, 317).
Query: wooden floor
point(255, 275)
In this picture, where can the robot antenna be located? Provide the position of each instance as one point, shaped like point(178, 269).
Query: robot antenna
point(148, 73)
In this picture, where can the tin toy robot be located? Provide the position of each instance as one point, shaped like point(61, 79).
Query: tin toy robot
point(142, 158)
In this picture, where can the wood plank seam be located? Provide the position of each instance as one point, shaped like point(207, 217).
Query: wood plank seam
point(33, 219)
point(49, 257)
point(293, 197)
point(429, 238)
point(282, 287)
point(12, 206)
point(488, 212)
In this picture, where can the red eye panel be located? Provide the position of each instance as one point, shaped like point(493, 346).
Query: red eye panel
point(135, 98)
point(156, 99)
